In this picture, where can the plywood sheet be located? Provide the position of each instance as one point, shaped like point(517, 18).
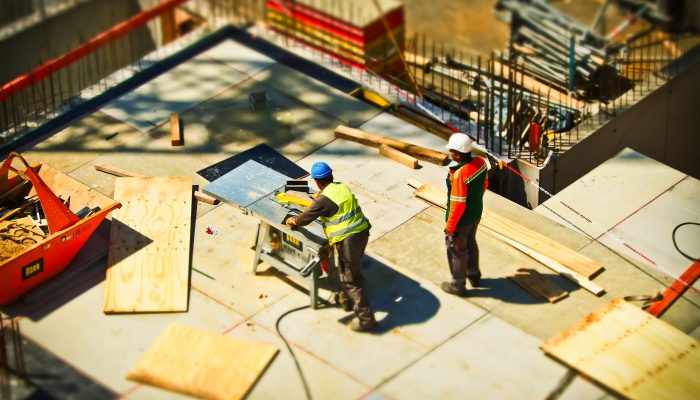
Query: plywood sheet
point(203, 364)
point(631, 352)
point(149, 246)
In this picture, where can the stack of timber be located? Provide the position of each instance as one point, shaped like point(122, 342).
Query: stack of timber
point(351, 32)
point(565, 261)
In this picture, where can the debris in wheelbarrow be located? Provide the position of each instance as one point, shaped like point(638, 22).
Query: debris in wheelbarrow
point(34, 193)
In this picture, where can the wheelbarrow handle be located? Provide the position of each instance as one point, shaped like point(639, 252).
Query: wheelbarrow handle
point(58, 216)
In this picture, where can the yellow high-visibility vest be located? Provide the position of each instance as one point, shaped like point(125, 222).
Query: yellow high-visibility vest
point(348, 220)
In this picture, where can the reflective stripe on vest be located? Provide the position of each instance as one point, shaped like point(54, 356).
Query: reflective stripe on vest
point(348, 219)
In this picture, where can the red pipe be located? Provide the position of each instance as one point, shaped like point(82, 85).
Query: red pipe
point(98, 41)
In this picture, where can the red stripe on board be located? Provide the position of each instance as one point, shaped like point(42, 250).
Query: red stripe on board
point(51, 66)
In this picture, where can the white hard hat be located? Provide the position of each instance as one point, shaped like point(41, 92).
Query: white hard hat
point(459, 142)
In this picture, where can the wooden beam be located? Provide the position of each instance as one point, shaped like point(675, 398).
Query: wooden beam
point(368, 139)
point(175, 131)
point(199, 195)
point(551, 264)
point(401, 158)
point(676, 290)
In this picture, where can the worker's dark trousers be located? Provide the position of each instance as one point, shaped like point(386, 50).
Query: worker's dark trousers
point(463, 254)
point(350, 251)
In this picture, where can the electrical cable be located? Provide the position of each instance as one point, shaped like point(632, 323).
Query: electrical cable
point(291, 352)
point(673, 237)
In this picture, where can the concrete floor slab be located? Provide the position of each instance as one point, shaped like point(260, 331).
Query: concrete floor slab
point(81, 142)
point(225, 263)
point(369, 358)
point(489, 358)
point(318, 95)
point(650, 229)
point(281, 379)
point(174, 91)
point(240, 57)
point(226, 125)
point(611, 192)
point(106, 347)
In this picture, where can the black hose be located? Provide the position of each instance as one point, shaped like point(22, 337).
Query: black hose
point(673, 237)
point(294, 357)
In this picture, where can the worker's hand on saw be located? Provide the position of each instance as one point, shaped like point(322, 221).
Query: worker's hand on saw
point(291, 222)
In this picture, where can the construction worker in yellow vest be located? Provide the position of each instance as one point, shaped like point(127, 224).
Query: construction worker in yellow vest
point(347, 230)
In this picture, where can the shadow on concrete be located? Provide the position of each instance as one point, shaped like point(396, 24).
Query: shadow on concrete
point(508, 291)
point(404, 300)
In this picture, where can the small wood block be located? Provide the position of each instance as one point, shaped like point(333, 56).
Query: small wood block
point(202, 364)
point(401, 158)
point(175, 131)
point(538, 285)
point(205, 198)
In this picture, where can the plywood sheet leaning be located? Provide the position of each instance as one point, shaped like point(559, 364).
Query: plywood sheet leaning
point(202, 364)
point(538, 285)
point(568, 257)
point(149, 246)
point(631, 352)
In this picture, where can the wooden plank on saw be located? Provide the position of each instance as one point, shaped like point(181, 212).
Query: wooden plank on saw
point(399, 157)
point(568, 257)
point(175, 130)
point(199, 195)
point(538, 285)
point(632, 352)
point(202, 364)
point(369, 139)
point(149, 246)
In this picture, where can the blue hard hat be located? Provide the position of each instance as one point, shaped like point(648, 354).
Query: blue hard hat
point(320, 170)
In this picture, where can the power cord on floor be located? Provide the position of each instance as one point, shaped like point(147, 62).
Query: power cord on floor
point(304, 383)
point(673, 237)
point(291, 352)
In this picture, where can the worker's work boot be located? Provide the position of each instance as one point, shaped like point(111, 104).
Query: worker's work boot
point(475, 281)
point(343, 301)
point(358, 326)
point(457, 291)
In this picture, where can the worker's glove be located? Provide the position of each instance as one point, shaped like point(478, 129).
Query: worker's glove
point(291, 222)
point(451, 241)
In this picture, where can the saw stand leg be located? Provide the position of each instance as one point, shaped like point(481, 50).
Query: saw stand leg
point(263, 228)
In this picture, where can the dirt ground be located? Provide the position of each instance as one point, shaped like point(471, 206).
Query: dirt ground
point(471, 26)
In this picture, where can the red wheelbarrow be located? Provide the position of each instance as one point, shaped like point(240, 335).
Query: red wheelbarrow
point(42, 261)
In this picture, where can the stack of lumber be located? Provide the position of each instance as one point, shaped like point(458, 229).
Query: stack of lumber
point(402, 152)
point(351, 32)
point(553, 255)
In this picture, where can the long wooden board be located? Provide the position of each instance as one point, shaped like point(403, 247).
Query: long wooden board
point(149, 246)
point(568, 257)
point(369, 139)
point(202, 364)
point(631, 352)
point(538, 285)
point(399, 157)
point(109, 169)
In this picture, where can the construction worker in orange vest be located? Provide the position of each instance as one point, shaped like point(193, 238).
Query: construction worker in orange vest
point(347, 230)
point(466, 183)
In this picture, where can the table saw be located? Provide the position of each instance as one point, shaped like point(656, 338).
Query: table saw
point(298, 253)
